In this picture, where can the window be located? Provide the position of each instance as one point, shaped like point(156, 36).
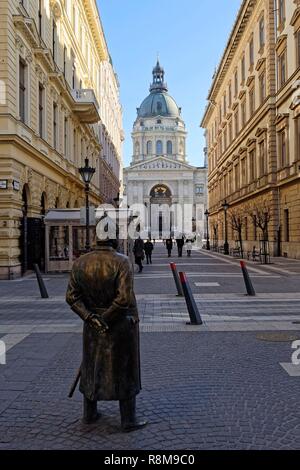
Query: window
point(229, 96)
point(244, 172)
point(262, 159)
point(224, 104)
point(236, 122)
point(149, 147)
point(243, 69)
point(282, 69)
point(246, 227)
point(22, 90)
point(41, 110)
point(237, 176)
point(55, 125)
point(282, 148)
point(74, 17)
point(262, 87)
point(225, 140)
point(251, 51)
point(65, 61)
point(252, 166)
point(281, 12)
point(74, 145)
point(159, 147)
point(199, 189)
point(254, 227)
point(230, 132)
point(80, 36)
point(286, 225)
point(236, 86)
point(54, 39)
point(243, 113)
point(251, 101)
point(66, 136)
point(297, 37)
point(169, 147)
point(297, 137)
point(40, 17)
point(73, 71)
point(262, 32)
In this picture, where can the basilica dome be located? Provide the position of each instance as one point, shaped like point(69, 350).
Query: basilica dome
point(159, 102)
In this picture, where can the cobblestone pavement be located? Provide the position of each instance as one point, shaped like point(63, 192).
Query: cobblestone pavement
point(214, 386)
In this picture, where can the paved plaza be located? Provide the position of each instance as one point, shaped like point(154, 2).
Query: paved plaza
point(227, 384)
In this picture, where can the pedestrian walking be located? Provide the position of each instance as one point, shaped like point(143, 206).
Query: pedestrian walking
point(169, 246)
point(148, 251)
point(189, 247)
point(138, 250)
point(100, 292)
point(180, 243)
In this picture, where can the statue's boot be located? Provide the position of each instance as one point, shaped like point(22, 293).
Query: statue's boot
point(90, 413)
point(129, 421)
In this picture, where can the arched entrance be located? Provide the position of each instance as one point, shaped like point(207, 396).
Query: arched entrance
point(43, 204)
point(24, 229)
point(161, 218)
point(32, 239)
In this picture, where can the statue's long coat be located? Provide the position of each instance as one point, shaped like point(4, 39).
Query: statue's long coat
point(102, 282)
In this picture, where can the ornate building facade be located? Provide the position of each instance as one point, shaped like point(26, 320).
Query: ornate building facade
point(252, 125)
point(159, 172)
point(59, 103)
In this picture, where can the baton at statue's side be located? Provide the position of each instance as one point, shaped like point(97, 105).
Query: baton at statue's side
point(100, 291)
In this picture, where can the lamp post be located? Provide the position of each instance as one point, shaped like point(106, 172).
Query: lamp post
point(207, 231)
point(225, 206)
point(86, 174)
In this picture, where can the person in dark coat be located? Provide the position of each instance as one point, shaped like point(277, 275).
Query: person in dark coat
point(138, 250)
point(100, 291)
point(169, 246)
point(180, 243)
point(148, 251)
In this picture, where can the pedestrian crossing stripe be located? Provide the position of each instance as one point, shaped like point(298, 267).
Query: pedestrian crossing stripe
point(207, 284)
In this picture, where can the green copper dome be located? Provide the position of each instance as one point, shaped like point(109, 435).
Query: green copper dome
point(159, 102)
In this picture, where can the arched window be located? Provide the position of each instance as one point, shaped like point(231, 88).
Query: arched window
point(149, 147)
point(43, 204)
point(137, 148)
point(159, 147)
point(169, 148)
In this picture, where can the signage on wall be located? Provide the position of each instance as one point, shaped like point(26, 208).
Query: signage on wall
point(16, 185)
point(3, 184)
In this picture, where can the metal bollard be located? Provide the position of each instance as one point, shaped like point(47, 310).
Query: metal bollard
point(177, 280)
point(43, 290)
point(248, 283)
point(190, 301)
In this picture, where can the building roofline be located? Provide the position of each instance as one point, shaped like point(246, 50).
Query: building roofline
point(241, 20)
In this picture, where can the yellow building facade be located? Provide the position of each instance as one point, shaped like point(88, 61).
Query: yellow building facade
point(53, 56)
point(252, 126)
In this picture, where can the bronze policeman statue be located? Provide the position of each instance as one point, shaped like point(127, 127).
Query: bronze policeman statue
point(100, 291)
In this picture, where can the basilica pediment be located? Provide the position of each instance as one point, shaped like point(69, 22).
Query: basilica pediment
point(160, 163)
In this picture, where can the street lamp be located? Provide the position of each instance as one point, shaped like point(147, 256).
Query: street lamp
point(207, 231)
point(86, 174)
point(225, 206)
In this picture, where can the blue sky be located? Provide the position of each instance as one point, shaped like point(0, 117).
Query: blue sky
point(189, 36)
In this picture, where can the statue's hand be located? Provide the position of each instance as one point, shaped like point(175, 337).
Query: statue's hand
point(97, 323)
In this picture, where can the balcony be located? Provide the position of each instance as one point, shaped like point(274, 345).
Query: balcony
point(86, 106)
